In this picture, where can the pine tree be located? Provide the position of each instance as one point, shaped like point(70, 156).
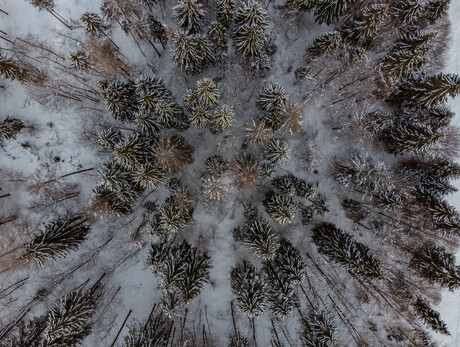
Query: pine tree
point(94, 25)
point(280, 291)
point(258, 236)
point(318, 329)
point(226, 12)
point(69, 322)
point(223, 117)
point(301, 5)
point(277, 151)
point(207, 92)
point(344, 250)
point(302, 72)
point(249, 289)
point(153, 333)
point(438, 266)
point(56, 240)
point(190, 15)
point(157, 30)
point(171, 152)
point(424, 90)
point(11, 70)
point(320, 205)
point(172, 216)
point(437, 9)
point(303, 189)
point(120, 99)
point(289, 261)
point(430, 317)
point(408, 11)
point(272, 97)
point(80, 60)
point(215, 166)
point(366, 26)
point(329, 11)
point(131, 151)
point(215, 188)
point(411, 138)
point(281, 208)
point(149, 175)
point(10, 127)
point(29, 333)
point(206, 54)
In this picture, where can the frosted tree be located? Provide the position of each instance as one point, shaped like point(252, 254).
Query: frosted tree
point(400, 64)
point(29, 333)
point(43, 4)
point(248, 289)
point(367, 24)
point(11, 70)
point(430, 317)
point(215, 188)
point(318, 329)
point(224, 117)
point(149, 175)
point(414, 40)
point(218, 36)
point(207, 92)
point(437, 9)
point(258, 236)
point(341, 248)
point(389, 200)
point(111, 173)
point(411, 138)
point(324, 43)
point(226, 12)
point(131, 151)
point(422, 90)
point(288, 260)
point(238, 340)
point(171, 152)
point(215, 166)
point(94, 24)
point(10, 128)
point(329, 11)
point(272, 97)
point(206, 53)
point(408, 11)
point(57, 240)
point(174, 214)
point(157, 30)
point(201, 117)
point(153, 333)
point(109, 137)
point(258, 132)
point(285, 184)
point(120, 99)
point(69, 322)
point(277, 151)
point(151, 124)
point(280, 291)
point(281, 208)
point(189, 14)
point(80, 60)
point(184, 51)
point(301, 5)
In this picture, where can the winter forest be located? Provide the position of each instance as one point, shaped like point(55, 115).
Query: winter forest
point(226, 173)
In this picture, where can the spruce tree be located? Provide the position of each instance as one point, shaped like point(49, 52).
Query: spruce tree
point(184, 52)
point(157, 30)
point(149, 175)
point(201, 117)
point(10, 127)
point(120, 99)
point(402, 63)
point(437, 266)
point(47, 5)
point(414, 40)
point(320, 205)
point(324, 43)
point(277, 151)
point(69, 322)
point(111, 173)
point(329, 11)
point(80, 60)
point(281, 208)
point(153, 333)
point(272, 97)
point(189, 14)
point(389, 200)
point(226, 12)
point(285, 184)
point(238, 340)
point(218, 36)
point(280, 291)
point(258, 236)
point(422, 90)
point(344, 250)
point(289, 261)
point(248, 289)
point(430, 317)
point(206, 54)
point(366, 26)
point(215, 166)
point(223, 117)
point(94, 25)
point(411, 138)
point(149, 123)
point(301, 5)
point(318, 329)
point(109, 137)
point(437, 9)
point(11, 70)
point(207, 92)
point(408, 11)
point(131, 151)
point(56, 240)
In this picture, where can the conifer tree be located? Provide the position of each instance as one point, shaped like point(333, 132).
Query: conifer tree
point(150, 124)
point(201, 117)
point(289, 261)
point(422, 90)
point(11, 70)
point(131, 151)
point(109, 137)
point(258, 132)
point(149, 175)
point(157, 30)
point(303, 189)
point(153, 333)
point(184, 51)
point(285, 184)
point(280, 291)
point(10, 127)
point(411, 138)
point(238, 340)
point(324, 43)
point(365, 27)
point(94, 25)
point(249, 289)
point(320, 205)
point(111, 173)
point(171, 152)
point(218, 36)
point(277, 151)
point(272, 97)
point(437, 9)
point(389, 200)
point(80, 60)
point(301, 5)
point(29, 333)
point(344, 250)
point(120, 99)
point(430, 317)
point(190, 15)
point(281, 208)
point(414, 40)
point(226, 12)
point(215, 166)
point(438, 266)
point(173, 216)
point(206, 54)
point(302, 72)
point(207, 92)
point(69, 322)
point(258, 236)
point(408, 11)
point(318, 329)
point(329, 11)
point(402, 63)
point(56, 240)
point(223, 117)
point(43, 4)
